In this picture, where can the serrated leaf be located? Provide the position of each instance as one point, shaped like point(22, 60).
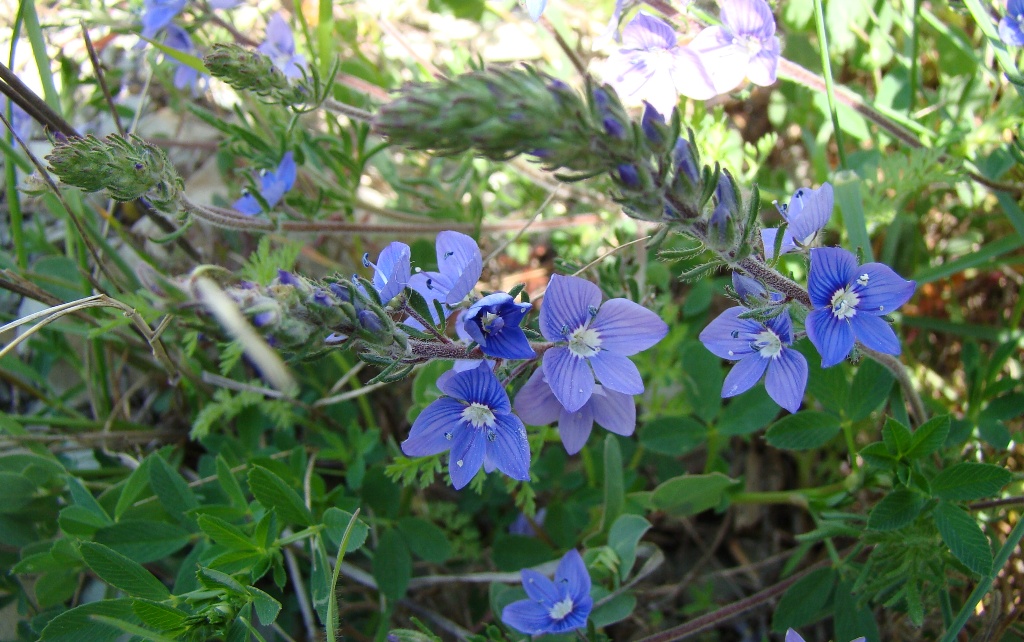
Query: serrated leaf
point(897, 509)
point(133, 487)
point(878, 455)
point(173, 491)
point(623, 538)
point(266, 606)
point(143, 540)
point(897, 437)
point(929, 437)
point(970, 480)
point(122, 573)
point(336, 521)
point(212, 578)
point(77, 624)
point(225, 533)
point(273, 492)
point(804, 602)
point(83, 498)
point(964, 538)
point(229, 484)
point(159, 616)
point(425, 539)
point(691, 494)
point(392, 565)
point(805, 430)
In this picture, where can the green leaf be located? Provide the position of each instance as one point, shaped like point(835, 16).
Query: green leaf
point(77, 624)
point(272, 491)
point(871, 386)
point(133, 487)
point(805, 601)
point(122, 573)
point(18, 492)
point(224, 533)
point(897, 437)
point(970, 480)
point(701, 380)
point(852, 619)
point(878, 456)
point(964, 538)
point(805, 430)
point(392, 565)
point(336, 521)
point(229, 484)
point(672, 436)
point(212, 578)
point(80, 521)
point(320, 583)
point(691, 494)
point(614, 485)
point(747, 413)
point(266, 606)
point(614, 610)
point(425, 539)
point(513, 552)
point(897, 509)
point(143, 540)
point(173, 491)
point(159, 616)
point(623, 537)
point(929, 437)
point(83, 498)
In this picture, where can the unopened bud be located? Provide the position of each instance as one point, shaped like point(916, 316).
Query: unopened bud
point(247, 70)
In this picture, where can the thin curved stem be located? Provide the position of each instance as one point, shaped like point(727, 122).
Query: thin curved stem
point(898, 370)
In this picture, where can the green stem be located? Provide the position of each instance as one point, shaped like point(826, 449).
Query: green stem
point(793, 497)
point(851, 444)
point(914, 38)
point(826, 68)
point(986, 582)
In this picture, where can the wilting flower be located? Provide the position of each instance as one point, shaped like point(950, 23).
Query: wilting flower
point(157, 14)
point(807, 213)
point(793, 636)
point(849, 301)
point(493, 322)
point(726, 203)
point(744, 46)
point(391, 272)
point(588, 337)
point(274, 185)
point(279, 46)
point(758, 346)
point(475, 421)
point(651, 66)
point(1011, 26)
point(537, 405)
point(184, 76)
point(553, 607)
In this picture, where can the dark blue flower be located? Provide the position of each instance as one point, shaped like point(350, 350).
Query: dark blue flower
point(537, 405)
point(758, 346)
point(849, 301)
point(1011, 26)
point(553, 607)
point(273, 186)
point(475, 421)
point(493, 322)
point(593, 341)
point(807, 213)
point(279, 46)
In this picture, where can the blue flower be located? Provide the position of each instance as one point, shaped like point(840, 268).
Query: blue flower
point(522, 526)
point(493, 322)
point(757, 346)
point(553, 607)
point(391, 272)
point(592, 341)
point(274, 185)
point(459, 266)
point(184, 76)
point(849, 301)
point(1011, 26)
point(224, 4)
point(279, 46)
point(807, 213)
point(651, 66)
point(726, 203)
point(744, 46)
point(535, 8)
point(157, 14)
point(793, 636)
point(475, 421)
point(20, 121)
point(537, 405)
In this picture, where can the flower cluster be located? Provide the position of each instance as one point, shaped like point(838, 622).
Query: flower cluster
point(652, 66)
point(847, 305)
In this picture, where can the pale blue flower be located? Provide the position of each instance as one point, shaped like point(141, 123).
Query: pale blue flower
point(553, 607)
point(184, 76)
point(279, 46)
point(391, 272)
point(743, 46)
point(1011, 26)
point(807, 213)
point(534, 7)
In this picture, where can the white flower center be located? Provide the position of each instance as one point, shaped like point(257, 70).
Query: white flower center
point(561, 609)
point(844, 303)
point(768, 344)
point(750, 43)
point(478, 415)
point(584, 342)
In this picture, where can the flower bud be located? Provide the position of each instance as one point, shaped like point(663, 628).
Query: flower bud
point(247, 70)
